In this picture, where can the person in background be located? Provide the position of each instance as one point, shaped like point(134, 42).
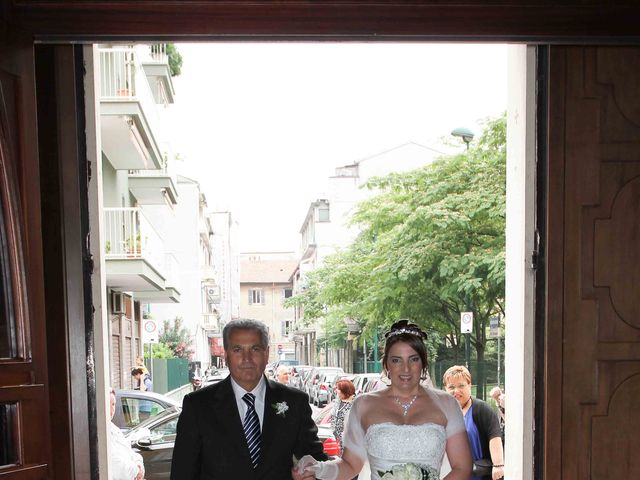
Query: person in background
point(498, 396)
point(481, 422)
point(124, 462)
point(282, 374)
point(142, 382)
point(140, 364)
point(346, 393)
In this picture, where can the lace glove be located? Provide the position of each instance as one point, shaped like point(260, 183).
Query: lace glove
point(322, 470)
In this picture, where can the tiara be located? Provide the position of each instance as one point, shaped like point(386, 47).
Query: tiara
point(404, 330)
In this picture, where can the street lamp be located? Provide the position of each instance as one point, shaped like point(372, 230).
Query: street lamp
point(464, 133)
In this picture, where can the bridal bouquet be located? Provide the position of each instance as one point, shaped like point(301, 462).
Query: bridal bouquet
point(409, 471)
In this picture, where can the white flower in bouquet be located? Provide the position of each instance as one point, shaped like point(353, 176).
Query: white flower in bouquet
point(409, 471)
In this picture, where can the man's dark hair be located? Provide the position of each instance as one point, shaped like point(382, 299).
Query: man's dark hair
point(136, 371)
point(245, 324)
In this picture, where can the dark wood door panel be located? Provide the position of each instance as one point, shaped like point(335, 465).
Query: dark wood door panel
point(593, 423)
point(24, 403)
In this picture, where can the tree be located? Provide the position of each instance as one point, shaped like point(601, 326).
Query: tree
point(160, 351)
point(175, 60)
point(176, 337)
point(431, 246)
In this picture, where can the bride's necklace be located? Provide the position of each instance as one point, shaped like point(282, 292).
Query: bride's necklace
point(405, 406)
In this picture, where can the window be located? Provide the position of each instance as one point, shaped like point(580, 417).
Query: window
point(164, 432)
point(256, 296)
point(134, 410)
point(285, 327)
point(323, 213)
point(8, 432)
point(287, 292)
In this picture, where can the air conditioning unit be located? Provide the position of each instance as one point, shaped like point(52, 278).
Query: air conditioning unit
point(118, 302)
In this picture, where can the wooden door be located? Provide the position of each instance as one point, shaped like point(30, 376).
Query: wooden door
point(592, 381)
point(24, 406)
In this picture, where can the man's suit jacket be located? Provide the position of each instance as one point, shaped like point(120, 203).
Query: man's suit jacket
point(210, 443)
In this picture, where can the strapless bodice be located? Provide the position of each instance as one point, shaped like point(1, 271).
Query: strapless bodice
point(389, 444)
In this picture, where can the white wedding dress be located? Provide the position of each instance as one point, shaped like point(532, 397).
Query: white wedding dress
point(386, 444)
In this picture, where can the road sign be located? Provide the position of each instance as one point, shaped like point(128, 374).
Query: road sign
point(494, 327)
point(466, 322)
point(149, 331)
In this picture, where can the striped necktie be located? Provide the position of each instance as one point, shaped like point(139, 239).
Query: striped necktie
point(251, 427)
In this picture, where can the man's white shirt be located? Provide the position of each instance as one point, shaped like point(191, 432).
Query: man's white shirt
point(259, 392)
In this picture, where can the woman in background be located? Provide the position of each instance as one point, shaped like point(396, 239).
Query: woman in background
point(346, 393)
point(481, 422)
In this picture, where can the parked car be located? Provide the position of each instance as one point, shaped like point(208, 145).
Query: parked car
point(216, 376)
point(289, 362)
point(135, 406)
point(297, 375)
point(323, 416)
point(361, 380)
point(322, 383)
point(154, 440)
point(270, 371)
point(374, 384)
point(329, 442)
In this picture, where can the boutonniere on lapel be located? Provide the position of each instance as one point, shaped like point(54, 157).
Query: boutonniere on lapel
point(280, 408)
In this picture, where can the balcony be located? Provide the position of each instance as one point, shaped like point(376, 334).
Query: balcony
point(134, 252)
point(153, 187)
point(211, 323)
point(128, 118)
point(171, 292)
point(156, 67)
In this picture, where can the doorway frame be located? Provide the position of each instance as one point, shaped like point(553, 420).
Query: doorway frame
point(534, 22)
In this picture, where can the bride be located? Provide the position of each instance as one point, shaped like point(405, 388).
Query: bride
point(403, 430)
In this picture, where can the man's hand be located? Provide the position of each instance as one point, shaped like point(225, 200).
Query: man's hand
point(140, 475)
point(305, 475)
point(300, 470)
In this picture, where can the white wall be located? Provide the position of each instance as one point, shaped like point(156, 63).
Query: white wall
point(520, 287)
point(179, 229)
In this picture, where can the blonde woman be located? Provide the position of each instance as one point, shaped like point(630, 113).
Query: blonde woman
point(482, 425)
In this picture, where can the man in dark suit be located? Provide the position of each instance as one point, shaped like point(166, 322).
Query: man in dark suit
point(245, 427)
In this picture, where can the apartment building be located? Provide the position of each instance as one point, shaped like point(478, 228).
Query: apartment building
point(134, 86)
point(265, 283)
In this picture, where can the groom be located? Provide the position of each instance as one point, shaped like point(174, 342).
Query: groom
point(244, 427)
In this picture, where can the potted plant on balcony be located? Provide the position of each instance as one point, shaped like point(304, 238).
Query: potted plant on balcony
point(134, 247)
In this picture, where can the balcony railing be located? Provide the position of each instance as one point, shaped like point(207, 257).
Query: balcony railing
point(159, 53)
point(211, 322)
point(128, 234)
point(117, 73)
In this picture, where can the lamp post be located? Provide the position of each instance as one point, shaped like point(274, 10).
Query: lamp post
point(464, 133)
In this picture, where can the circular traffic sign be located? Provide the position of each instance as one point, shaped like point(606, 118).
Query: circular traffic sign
point(467, 317)
point(150, 326)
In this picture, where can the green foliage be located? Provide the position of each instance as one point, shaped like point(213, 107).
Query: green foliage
point(160, 351)
point(176, 337)
point(175, 60)
point(431, 246)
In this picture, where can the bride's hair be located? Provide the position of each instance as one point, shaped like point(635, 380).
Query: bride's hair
point(412, 335)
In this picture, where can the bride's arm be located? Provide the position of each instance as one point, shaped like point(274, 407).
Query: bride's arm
point(459, 455)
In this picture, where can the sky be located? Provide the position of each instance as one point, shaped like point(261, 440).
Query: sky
point(262, 126)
